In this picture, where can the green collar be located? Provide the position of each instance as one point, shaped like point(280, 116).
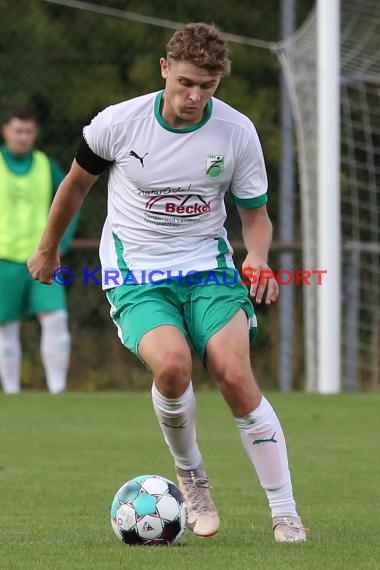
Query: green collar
point(157, 106)
point(19, 164)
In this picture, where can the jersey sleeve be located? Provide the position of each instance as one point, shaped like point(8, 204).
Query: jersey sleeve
point(98, 135)
point(249, 181)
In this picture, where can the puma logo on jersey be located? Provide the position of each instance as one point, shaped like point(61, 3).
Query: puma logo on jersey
point(140, 158)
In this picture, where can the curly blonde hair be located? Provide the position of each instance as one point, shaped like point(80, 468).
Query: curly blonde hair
point(202, 45)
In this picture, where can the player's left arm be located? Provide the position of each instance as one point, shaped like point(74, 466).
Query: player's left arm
point(257, 237)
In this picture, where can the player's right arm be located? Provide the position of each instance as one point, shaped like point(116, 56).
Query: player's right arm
point(67, 202)
point(95, 154)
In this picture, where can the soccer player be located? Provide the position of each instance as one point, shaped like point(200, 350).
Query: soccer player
point(28, 180)
point(167, 263)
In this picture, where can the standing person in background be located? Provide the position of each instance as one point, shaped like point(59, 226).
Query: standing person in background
point(172, 156)
point(28, 181)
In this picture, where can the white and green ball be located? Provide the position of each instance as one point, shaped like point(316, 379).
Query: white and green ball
point(150, 510)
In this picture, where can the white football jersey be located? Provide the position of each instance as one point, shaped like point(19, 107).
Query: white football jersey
point(166, 187)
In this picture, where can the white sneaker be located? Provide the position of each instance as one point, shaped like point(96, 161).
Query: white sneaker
point(203, 519)
point(288, 529)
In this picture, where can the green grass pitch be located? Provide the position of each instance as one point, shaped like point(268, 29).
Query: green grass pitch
point(62, 458)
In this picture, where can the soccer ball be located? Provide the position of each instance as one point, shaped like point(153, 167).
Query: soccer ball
point(149, 509)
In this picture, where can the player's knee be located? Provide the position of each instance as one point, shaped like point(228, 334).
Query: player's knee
point(234, 376)
point(55, 331)
point(172, 370)
point(64, 341)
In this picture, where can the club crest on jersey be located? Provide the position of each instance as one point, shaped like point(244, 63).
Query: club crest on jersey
point(214, 165)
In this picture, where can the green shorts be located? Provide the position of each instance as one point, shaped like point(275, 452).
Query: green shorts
point(198, 310)
point(22, 297)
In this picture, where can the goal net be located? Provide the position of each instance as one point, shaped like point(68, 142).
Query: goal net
point(360, 188)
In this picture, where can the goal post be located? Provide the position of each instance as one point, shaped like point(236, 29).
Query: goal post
point(334, 86)
point(328, 196)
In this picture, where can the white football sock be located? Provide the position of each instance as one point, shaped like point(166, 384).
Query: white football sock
point(10, 357)
point(264, 442)
point(177, 421)
point(55, 349)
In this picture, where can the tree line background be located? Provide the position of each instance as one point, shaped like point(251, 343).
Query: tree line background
point(69, 64)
